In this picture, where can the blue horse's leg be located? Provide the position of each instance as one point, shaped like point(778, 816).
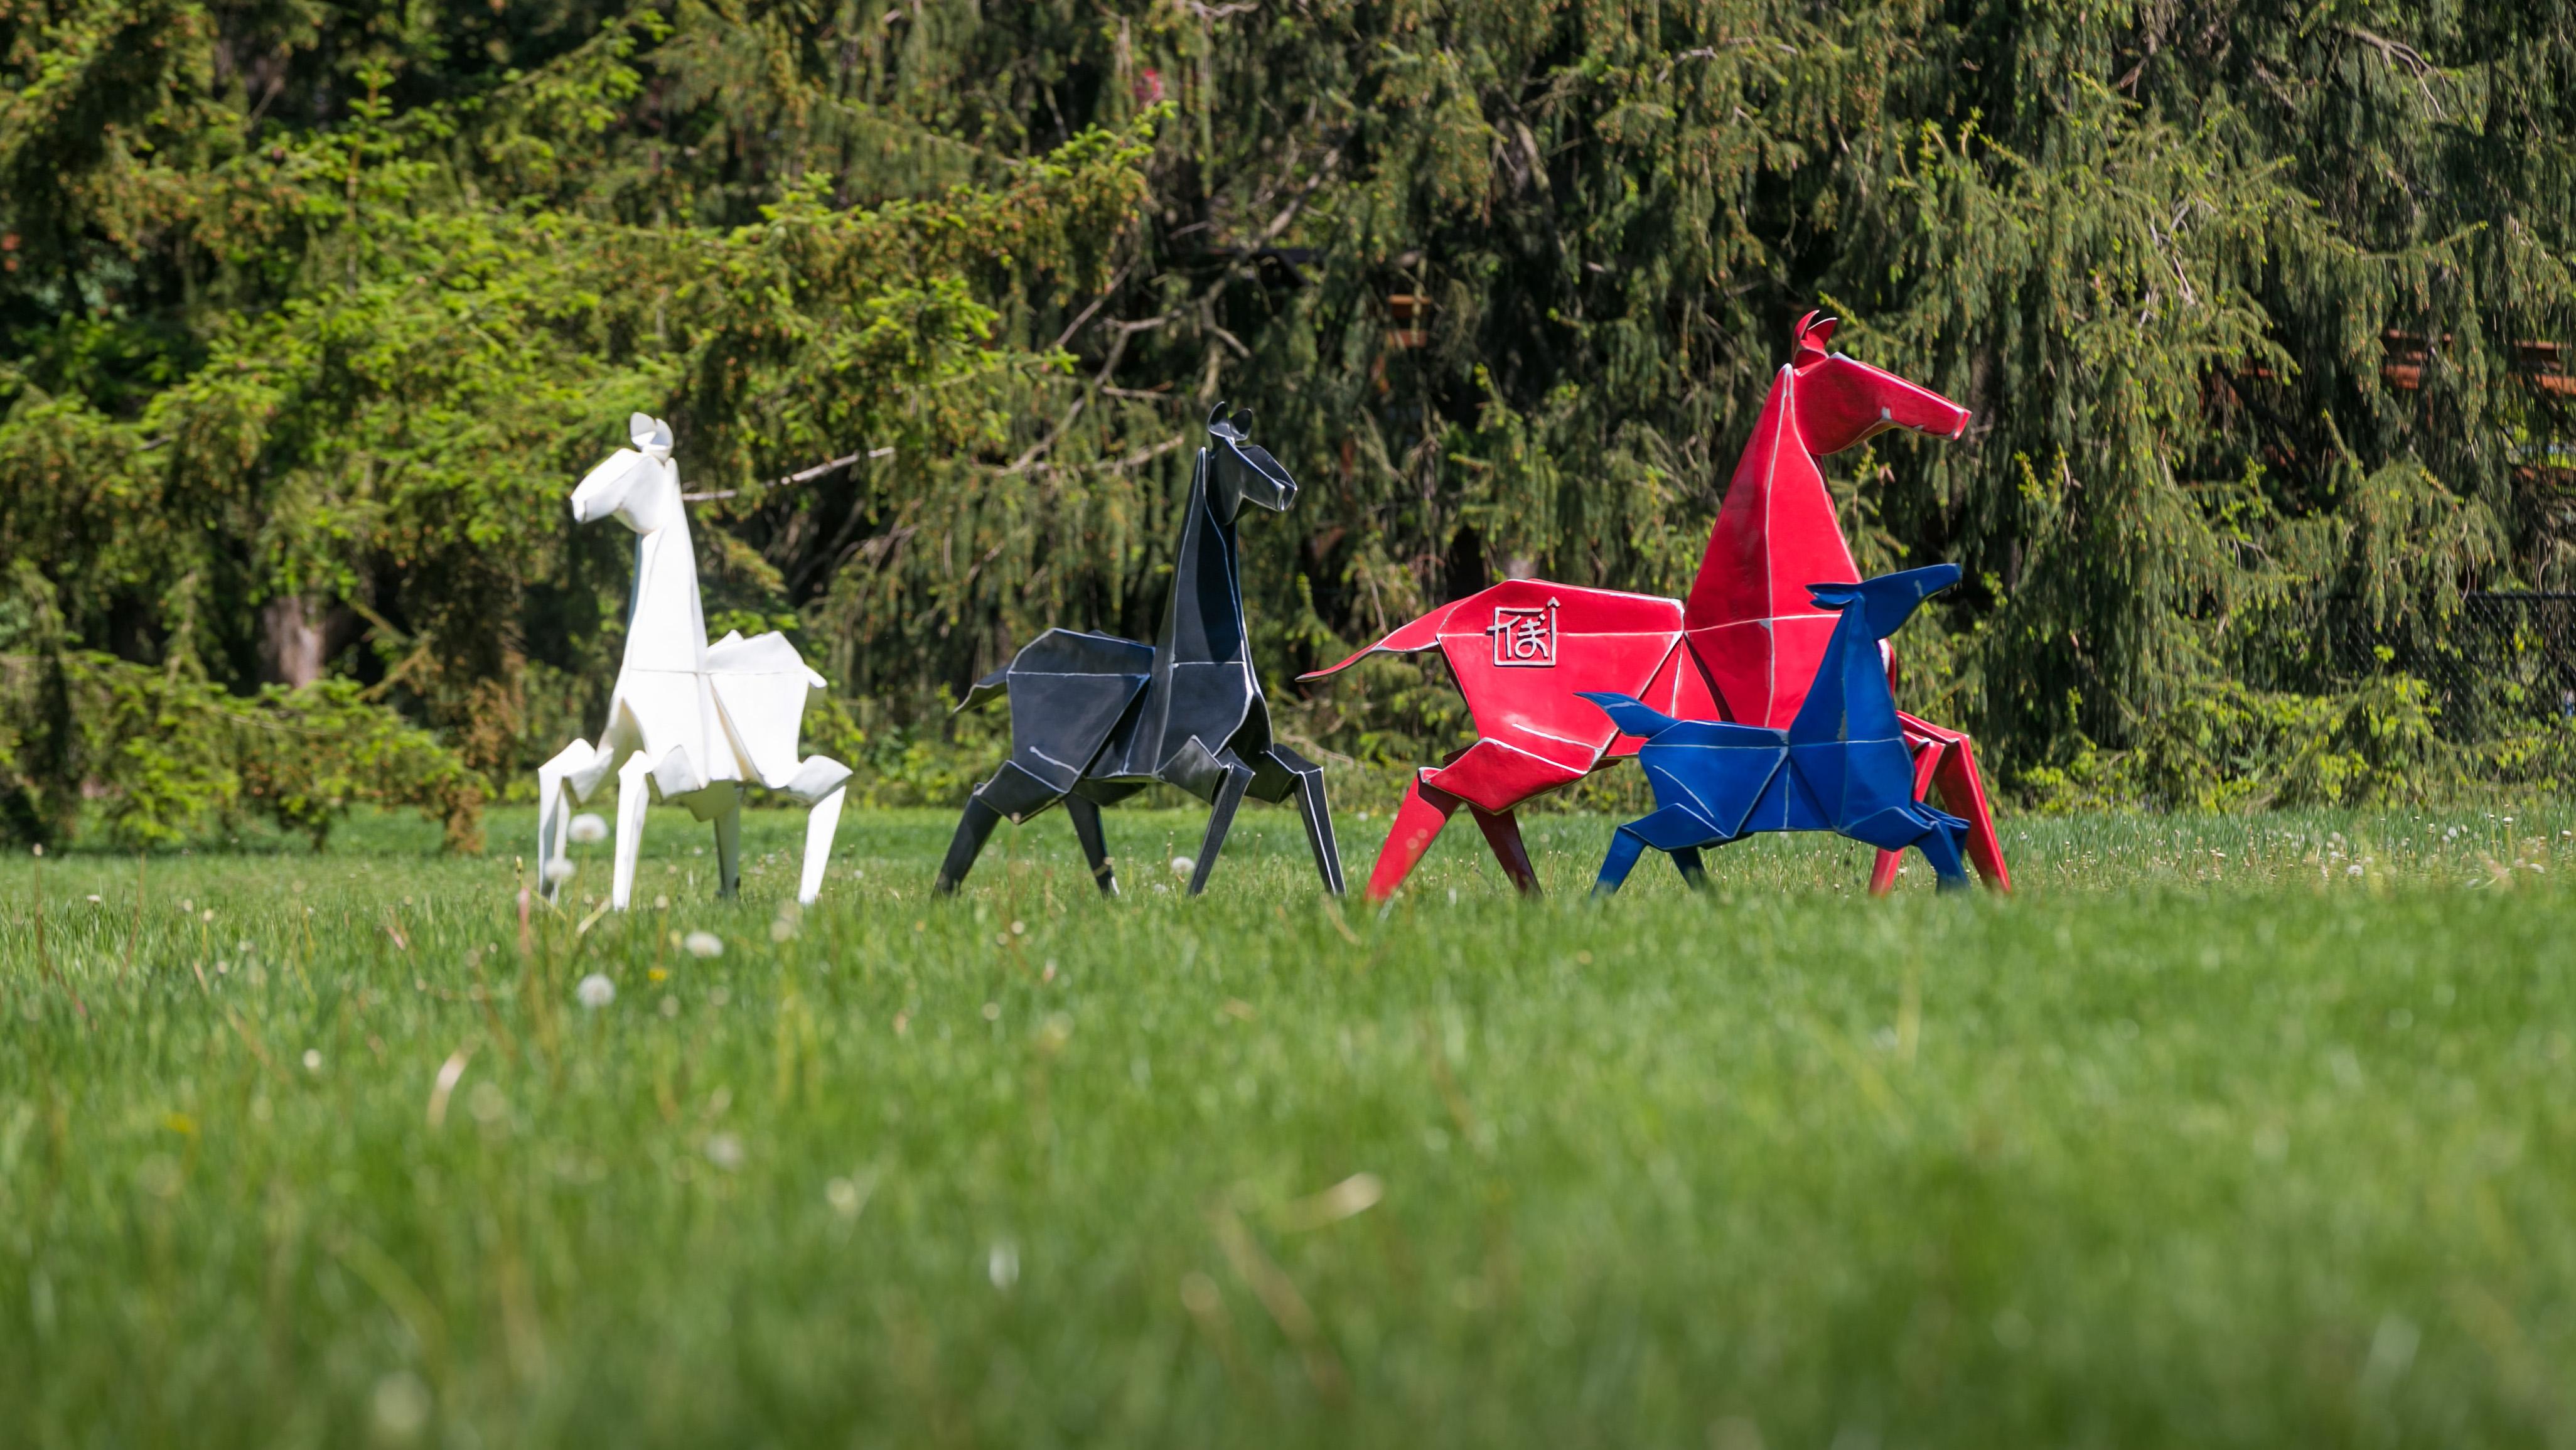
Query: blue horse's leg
point(1941, 848)
point(1625, 848)
point(1686, 861)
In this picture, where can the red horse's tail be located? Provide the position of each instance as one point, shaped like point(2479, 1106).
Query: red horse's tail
point(1421, 634)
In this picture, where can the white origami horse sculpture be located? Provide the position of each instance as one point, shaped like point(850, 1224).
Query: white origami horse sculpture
point(689, 721)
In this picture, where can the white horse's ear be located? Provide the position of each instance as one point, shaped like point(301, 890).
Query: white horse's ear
point(640, 427)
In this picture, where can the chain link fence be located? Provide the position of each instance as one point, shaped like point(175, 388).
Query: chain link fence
point(2505, 661)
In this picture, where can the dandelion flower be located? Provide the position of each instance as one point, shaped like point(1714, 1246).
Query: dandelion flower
point(589, 827)
point(1183, 865)
point(704, 944)
point(595, 991)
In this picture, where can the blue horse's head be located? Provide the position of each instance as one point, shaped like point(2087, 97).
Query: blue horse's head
point(1889, 600)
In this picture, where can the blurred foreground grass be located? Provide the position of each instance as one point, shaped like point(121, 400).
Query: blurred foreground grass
point(2240, 1131)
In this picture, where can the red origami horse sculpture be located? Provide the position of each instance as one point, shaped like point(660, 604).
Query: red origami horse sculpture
point(1525, 652)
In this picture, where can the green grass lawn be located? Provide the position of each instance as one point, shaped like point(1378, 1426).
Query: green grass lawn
point(2239, 1131)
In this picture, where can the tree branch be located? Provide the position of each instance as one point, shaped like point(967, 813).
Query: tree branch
point(802, 475)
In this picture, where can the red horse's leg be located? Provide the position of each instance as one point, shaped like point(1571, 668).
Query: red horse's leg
point(1418, 820)
point(1503, 832)
point(1927, 758)
point(1492, 778)
point(1963, 791)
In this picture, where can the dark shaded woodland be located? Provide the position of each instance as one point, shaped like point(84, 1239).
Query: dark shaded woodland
point(312, 312)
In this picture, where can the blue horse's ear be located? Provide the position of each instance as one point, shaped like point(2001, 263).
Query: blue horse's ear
point(1833, 596)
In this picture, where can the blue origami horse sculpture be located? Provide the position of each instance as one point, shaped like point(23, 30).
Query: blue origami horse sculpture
point(1840, 766)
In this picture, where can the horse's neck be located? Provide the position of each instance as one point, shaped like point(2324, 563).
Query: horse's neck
point(1850, 698)
point(667, 627)
point(1776, 533)
point(1203, 619)
point(1821, 715)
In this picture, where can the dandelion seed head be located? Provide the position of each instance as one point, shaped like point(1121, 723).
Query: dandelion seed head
point(595, 991)
point(588, 828)
point(844, 1196)
point(725, 1151)
point(703, 944)
point(402, 1404)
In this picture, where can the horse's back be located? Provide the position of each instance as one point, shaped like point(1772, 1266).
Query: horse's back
point(1069, 689)
point(1523, 651)
point(761, 685)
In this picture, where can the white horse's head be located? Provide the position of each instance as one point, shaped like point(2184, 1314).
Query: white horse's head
point(638, 485)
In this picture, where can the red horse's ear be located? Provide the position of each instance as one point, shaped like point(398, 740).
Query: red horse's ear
point(1811, 340)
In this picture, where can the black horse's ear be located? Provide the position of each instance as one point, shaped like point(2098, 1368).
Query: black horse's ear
point(1242, 421)
point(1221, 425)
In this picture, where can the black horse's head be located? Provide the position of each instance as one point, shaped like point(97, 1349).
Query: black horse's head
point(1242, 471)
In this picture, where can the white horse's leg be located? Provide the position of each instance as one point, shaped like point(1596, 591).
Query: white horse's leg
point(729, 848)
point(554, 812)
point(820, 824)
point(820, 781)
point(633, 781)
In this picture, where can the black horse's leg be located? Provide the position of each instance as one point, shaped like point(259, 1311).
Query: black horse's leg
point(973, 829)
point(1095, 849)
point(1309, 785)
point(1229, 794)
point(1686, 860)
point(1014, 793)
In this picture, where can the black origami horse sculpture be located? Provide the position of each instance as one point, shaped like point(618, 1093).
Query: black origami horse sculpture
point(1095, 718)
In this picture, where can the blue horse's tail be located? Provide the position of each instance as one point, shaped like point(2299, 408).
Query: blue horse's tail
point(1632, 716)
point(1887, 601)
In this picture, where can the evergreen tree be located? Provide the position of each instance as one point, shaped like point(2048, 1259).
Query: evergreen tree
point(311, 312)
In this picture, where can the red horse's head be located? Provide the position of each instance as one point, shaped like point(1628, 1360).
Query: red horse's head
point(1841, 402)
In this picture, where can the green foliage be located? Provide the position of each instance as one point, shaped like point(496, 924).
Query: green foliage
point(170, 755)
point(311, 313)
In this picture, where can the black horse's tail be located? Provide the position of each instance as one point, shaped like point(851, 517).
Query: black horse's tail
point(986, 690)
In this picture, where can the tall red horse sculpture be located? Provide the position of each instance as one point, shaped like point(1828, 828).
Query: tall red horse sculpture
point(1743, 646)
